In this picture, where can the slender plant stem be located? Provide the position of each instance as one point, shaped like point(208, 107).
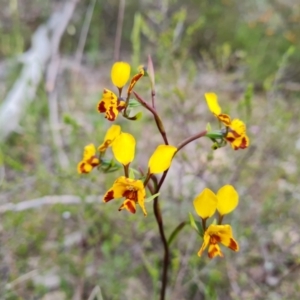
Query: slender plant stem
point(157, 119)
point(159, 220)
point(153, 98)
point(220, 219)
point(204, 224)
point(126, 170)
point(191, 139)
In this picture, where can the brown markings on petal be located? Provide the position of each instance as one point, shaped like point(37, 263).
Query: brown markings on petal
point(214, 239)
point(120, 105)
point(244, 143)
point(234, 133)
point(109, 196)
point(230, 139)
point(133, 81)
point(110, 114)
point(225, 119)
point(101, 107)
point(130, 207)
point(214, 251)
point(233, 245)
point(130, 194)
point(82, 167)
point(94, 161)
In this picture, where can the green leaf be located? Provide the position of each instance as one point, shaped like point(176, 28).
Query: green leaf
point(109, 166)
point(151, 197)
point(215, 134)
point(192, 222)
point(196, 225)
point(176, 231)
point(136, 117)
point(133, 103)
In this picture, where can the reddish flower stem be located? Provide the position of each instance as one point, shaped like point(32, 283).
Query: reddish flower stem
point(126, 170)
point(153, 98)
point(157, 119)
point(191, 139)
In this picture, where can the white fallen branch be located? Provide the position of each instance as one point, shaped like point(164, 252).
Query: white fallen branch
point(47, 200)
point(44, 42)
point(24, 89)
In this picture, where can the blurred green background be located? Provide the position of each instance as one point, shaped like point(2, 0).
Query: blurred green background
point(248, 53)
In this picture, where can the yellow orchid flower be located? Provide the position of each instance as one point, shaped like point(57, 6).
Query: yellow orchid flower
point(132, 190)
point(214, 107)
point(205, 203)
point(89, 160)
point(236, 129)
point(111, 104)
point(161, 159)
point(214, 235)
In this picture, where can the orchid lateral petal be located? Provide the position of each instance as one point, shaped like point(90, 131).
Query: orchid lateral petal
point(161, 159)
point(123, 148)
point(212, 103)
point(228, 199)
point(205, 203)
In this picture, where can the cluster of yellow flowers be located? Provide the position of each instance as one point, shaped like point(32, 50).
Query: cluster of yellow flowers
point(123, 148)
point(206, 204)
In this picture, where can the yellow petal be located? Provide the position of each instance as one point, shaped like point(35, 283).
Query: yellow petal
point(238, 127)
point(141, 198)
point(134, 80)
point(124, 148)
point(120, 73)
point(225, 119)
point(110, 136)
point(206, 238)
point(84, 167)
point(212, 102)
point(161, 159)
point(117, 190)
point(129, 205)
point(228, 199)
point(89, 151)
point(205, 203)
point(226, 238)
point(214, 250)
